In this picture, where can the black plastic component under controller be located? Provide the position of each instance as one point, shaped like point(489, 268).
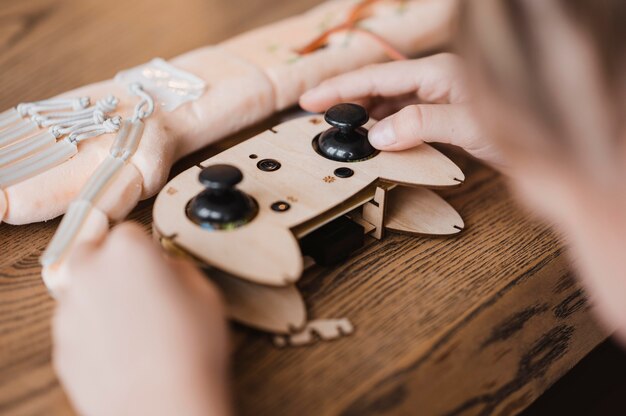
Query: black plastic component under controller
point(334, 242)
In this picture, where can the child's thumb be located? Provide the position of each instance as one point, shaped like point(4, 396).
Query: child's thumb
point(415, 124)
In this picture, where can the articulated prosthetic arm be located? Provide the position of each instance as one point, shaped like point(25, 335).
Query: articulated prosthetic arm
point(164, 110)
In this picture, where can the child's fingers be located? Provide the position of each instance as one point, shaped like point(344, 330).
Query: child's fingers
point(433, 79)
point(95, 241)
point(129, 233)
point(415, 124)
point(93, 231)
point(384, 107)
point(128, 241)
point(96, 247)
point(198, 284)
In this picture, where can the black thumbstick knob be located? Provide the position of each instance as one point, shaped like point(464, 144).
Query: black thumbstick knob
point(221, 205)
point(346, 117)
point(346, 140)
point(218, 177)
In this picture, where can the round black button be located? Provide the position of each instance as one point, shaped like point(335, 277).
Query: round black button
point(346, 117)
point(268, 165)
point(343, 172)
point(220, 177)
point(280, 206)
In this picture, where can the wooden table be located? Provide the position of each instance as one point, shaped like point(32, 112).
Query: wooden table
point(478, 324)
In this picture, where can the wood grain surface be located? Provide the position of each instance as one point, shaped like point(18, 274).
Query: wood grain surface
point(481, 323)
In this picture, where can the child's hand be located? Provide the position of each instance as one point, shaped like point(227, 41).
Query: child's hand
point(431, 98)
point(138, 334)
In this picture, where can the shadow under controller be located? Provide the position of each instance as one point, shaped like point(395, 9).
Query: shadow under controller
point(306, 191)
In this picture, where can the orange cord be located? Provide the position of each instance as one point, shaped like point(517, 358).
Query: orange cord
point(355, 16)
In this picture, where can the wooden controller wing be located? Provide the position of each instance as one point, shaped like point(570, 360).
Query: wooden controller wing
point(421, 211)
point(279, 310)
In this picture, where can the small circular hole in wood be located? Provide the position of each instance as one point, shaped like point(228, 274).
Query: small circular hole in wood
point(253, 156)
point(268, 165)
point(280, 206)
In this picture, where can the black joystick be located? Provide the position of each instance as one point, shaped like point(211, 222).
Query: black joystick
point(221, 205)
point(346, 141)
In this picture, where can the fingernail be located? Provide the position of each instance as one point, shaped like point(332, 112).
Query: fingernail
point(382, 134)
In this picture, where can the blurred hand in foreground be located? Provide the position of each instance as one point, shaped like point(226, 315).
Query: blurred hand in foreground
point(136, 333)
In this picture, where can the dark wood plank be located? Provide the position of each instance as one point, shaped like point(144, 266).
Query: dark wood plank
point(478, 324)
point(482, 323)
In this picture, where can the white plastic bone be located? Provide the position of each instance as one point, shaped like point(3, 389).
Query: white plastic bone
point(100, 178)
point(26, 147)
point(43, 121)
point(37, 163)
point(9, 117)
point(16, 131)
point(120, 139)
point(68, 229)
point(125, 145)
point(53, 104)
point(110, 125)
point(60, 121)
point(106, 105)
point(93, 228)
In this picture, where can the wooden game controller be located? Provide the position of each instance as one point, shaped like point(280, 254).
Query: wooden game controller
point(308, 188)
